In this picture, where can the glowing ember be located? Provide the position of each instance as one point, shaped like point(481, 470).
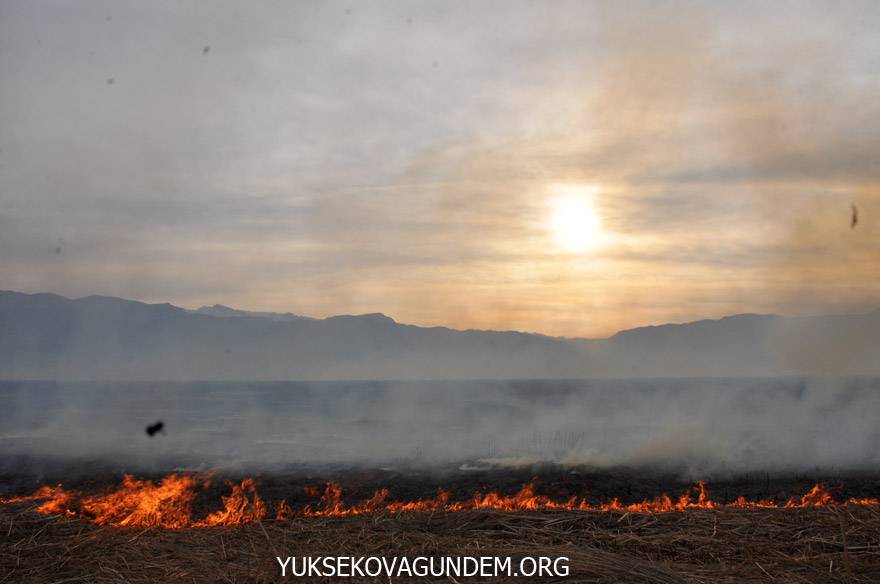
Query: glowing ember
point(168, 504)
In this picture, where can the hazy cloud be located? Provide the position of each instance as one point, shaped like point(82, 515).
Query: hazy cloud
point(399, 157)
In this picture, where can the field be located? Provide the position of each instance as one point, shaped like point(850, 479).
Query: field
point(810, 543)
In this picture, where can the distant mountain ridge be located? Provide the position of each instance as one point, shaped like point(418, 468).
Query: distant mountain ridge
point(47, 336)
point(225, 311)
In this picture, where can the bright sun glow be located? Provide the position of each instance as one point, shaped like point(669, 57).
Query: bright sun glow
point(574, 222)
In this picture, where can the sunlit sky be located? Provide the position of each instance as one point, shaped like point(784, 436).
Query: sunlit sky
point(569, 168)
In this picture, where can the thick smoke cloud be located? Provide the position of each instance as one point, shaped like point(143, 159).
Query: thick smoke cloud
point(699, 428)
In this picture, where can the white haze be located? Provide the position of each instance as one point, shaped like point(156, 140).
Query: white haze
point(698, 428)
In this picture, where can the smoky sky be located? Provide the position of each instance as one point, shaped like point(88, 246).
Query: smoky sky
point(343, 157)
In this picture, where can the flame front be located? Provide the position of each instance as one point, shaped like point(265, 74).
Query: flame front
point(169, 504)
point(243, 505)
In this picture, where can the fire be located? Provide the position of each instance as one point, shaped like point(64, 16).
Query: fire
point(332, 505)
point(817, 497)
point(524, 500)
point(169, 503)
point(142, 503)
point(742, 503)
point(438, 503)
point(284, 511)
point(133, 503)
point(243, 505)
point(44, 492)
point(863, 502)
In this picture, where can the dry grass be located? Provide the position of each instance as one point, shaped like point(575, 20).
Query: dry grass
point(839, 544)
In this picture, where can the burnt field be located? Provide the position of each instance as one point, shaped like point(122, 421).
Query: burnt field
point(750, 528)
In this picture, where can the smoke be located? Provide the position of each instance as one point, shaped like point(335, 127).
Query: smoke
point(699, 428)
point(398, 158)
point(726, 155)
point(302, 160)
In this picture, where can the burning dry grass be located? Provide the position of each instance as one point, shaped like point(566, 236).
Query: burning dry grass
point(815, 544)
point(169, 502)
point(173, 530)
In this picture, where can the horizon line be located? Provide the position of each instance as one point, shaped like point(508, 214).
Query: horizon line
point(255, 314)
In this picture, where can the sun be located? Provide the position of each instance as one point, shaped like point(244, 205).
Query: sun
point(574, 222)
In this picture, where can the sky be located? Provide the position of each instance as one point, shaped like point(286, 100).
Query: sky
point(568, 168)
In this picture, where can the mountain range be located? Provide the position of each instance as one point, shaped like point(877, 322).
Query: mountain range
point(47, 336)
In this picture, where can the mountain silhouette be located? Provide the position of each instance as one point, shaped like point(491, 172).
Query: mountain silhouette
point(47, 336)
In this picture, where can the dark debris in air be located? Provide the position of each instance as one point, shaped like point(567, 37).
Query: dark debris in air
point(154, 429)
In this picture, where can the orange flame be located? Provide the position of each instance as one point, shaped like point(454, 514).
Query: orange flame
point(44, 492)
point(133, 503)
point(817, 497)
point(243, 505)
point(141, 503)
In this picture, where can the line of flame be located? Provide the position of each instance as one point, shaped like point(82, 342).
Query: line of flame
point(168, 503)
